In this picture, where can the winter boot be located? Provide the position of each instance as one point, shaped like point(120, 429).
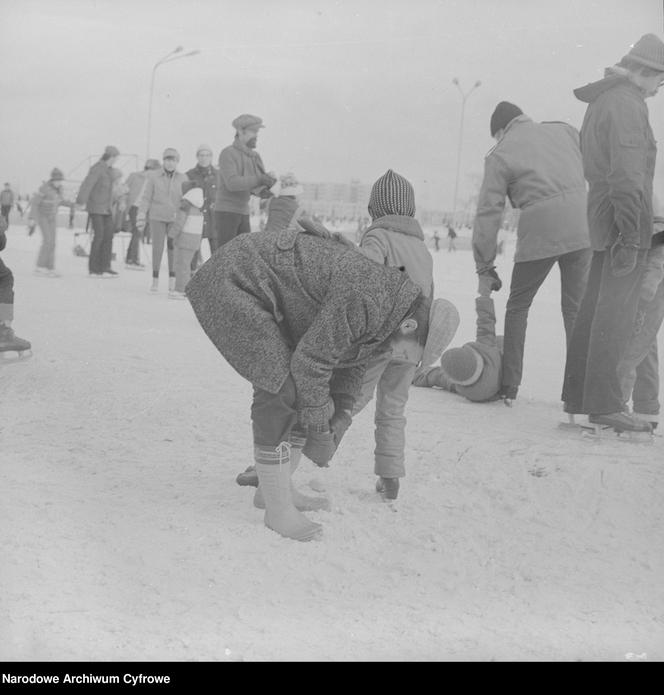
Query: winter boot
point(154, 287)
point(171, 283)
point(10, 343)
point(274, 472)
point(388, 488)
point(302, 502)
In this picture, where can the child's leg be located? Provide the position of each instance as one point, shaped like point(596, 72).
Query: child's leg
point(391, 399)
point(183, 259)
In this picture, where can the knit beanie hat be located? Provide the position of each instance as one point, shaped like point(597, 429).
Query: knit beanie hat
point(462, 365)
point(152, 164)
point(111, 151)
point(204, 148)
point(648, 51)
point(502, 115)
point(392, 194)
point(57, 175)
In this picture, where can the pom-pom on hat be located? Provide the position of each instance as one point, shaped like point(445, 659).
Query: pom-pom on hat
point(502, 115)
point(462, 365)
point(391, 194)
point(648, 51)
point(194, 196)
point(57, 175)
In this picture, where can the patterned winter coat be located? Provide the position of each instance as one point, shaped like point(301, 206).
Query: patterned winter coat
point(293, 303)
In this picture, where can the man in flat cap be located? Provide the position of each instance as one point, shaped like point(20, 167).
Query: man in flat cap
point(241, 174)
point(96, 193)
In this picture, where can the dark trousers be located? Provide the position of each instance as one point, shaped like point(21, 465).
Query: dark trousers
point(6, 293)
point(228, 225)
point(135, 243)
point(527, 278)
point(4, 211)
point(274, 417)
point(102, 243)
point(602, 331)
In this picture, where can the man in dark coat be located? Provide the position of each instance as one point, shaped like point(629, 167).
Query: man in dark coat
point(619, 153)
point(299, 317)
point(204, 176)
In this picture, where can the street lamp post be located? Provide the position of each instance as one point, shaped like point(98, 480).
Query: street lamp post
point(464, 96)
point(173, 55)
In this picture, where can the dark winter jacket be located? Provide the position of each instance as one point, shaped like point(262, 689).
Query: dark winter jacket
point(293, 303)
point(206, 179)
point(240, 169)
point(619, 153)
point(96, 191)
point(489, 347)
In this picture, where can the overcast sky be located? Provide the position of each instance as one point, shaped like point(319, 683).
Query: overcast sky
point(347, 89)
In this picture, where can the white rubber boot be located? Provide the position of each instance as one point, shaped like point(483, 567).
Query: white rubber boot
point(274, 472)
point(302, 502)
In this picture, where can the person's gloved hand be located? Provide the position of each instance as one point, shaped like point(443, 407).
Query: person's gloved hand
point(623, 257)
point(340, 422)
point(320, 446)
point(265, 193)
point(488, 281)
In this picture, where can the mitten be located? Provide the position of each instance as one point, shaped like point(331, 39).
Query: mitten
point(339, 423)
point(490, 278)
point(319, 447)
point(623, 258)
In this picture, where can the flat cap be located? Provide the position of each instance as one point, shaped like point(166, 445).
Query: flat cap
point(246, 120)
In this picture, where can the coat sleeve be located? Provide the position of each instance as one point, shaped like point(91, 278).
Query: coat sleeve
point(373, 247)
point(486, 321)
point(230, 174)
point(88, 184)
point(337, 326)
point(627, 171)
point(143, 201)
point(490, 207)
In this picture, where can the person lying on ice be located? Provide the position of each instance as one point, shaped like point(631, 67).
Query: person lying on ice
point(475, 369)
point(299, 316)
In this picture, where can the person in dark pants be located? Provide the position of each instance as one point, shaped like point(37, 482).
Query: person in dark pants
point(9, 342)
point(135, 183)
point(241, 174)
point(300, 317)
point(538, 166)
point(204, 175)
point(619, 153)
point(96, 193)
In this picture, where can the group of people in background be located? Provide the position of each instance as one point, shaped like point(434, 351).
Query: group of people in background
point(321, 324)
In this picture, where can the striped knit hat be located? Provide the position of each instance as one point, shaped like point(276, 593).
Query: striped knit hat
point(462, 365)
point(391, 195)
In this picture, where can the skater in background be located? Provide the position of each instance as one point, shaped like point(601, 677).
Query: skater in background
point(451, 236)
point(619, 153)
point(119, 204)
point(9, 341)
point(299, 317)
point(205, 176)
point(186, 232)
point(538, 166)
point(241, 175)
point(436, 240)
point(638, 370)
point(6, 202)
point(44, 212)
point(160, 201)
point(473, 370)
point(135, 183)
point(96, 193)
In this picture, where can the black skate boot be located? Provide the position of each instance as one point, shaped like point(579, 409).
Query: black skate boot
point(388, 488)
point(248, 477)
point(620, 422)
point(10, 343)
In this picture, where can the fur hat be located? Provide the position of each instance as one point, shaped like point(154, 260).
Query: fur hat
point(195, 197)
point(57, 175)
point(289, 185)
point(462, 365)
point(443, 324)
point(648, 51)
point(391, 194)
point(502, 115)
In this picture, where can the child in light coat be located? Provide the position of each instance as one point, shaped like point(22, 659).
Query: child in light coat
point(186, 232)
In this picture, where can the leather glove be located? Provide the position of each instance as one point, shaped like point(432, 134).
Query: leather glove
point(489, 280)
point(266, 180)
point(339, 423)
point(319, 447)
point(623, 257)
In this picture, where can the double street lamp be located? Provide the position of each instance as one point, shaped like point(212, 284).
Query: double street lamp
point(464, 96)
point(173, 55)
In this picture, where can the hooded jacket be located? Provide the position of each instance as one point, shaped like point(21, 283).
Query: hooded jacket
point(398, 241)
point(619, 153)
point(538, 167)
point(293, 303)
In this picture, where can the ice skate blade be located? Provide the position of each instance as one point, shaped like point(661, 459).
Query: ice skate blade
point(11, 356)
point(611, 434)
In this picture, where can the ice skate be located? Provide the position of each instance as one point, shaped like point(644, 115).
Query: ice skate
point(648, 417)
point(110, 274)
point(154, 287)
point(622, 426)
point(388, 488)
point(571, 423)
point(41, 272)
point(171, 284)
point(134, 265)
point(13, 348)
point(174, 294)
point(248, 477)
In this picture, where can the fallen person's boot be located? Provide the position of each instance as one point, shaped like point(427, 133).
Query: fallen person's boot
point(388, 488)
point(248, 477)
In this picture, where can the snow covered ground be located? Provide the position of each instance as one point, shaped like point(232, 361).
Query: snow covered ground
point(124, 536)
